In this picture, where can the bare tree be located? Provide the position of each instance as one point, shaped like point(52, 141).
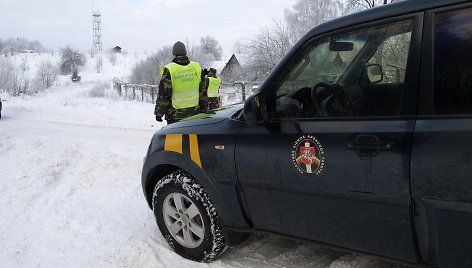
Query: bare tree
point(15, 45)
point(267, 48)
point(112, 58)
point(240, 47)
point(273, 42)
point(148, 70)
point(209, 45)
point(358, 5)
point(99, 64)
point(13, 79)
point(196, 53)
point(7, 75)
point(306, 14)
point(47, 74)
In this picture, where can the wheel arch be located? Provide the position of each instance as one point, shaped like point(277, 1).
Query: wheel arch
point(160, 164)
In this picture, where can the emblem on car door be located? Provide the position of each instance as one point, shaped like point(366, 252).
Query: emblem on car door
point(308, 155)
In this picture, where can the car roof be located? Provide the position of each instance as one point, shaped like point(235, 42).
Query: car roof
point(381, 12)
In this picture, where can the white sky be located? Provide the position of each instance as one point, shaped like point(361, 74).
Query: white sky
point(137, 25)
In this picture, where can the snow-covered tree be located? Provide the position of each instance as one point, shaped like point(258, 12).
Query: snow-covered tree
point(47, 74)
point(112, 57)
point(148, 70)
point(7, 75)
point(13, 78)
point(99, 64)
point(209, 45)
point(306, 14)
point(240, 47)
point(196, 53)
point(15, 45)
point(267, 48)
point(70, 60)
point(358, 5)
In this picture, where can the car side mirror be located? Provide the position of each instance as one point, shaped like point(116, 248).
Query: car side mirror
point(375, 73)
point(254, 109)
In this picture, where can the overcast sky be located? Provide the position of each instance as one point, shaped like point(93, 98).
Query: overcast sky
point(137, 25)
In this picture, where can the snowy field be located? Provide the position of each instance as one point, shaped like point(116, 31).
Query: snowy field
point(71, 196)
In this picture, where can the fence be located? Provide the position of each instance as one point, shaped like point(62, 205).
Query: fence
point(147, 93)
point(230, 92)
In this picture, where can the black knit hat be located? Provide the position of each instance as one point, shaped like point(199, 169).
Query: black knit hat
point(213, 70)
point(179, 49)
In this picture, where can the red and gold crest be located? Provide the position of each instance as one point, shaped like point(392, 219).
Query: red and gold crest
point(308, 155)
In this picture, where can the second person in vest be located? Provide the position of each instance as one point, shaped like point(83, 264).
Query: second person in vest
point(212, 86)
point(182, 90)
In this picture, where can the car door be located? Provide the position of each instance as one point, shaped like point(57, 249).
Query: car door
point(441, 169)
point(332, 163)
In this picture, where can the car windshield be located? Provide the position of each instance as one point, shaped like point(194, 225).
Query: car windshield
point(357, 65)
point(325, 63)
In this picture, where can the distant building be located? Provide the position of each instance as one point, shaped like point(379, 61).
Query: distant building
point(233, 69)
point(117, 49)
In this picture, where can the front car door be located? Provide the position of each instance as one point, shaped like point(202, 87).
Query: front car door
point(332, 164)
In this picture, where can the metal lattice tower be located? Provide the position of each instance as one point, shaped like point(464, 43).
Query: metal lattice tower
point(97, 32)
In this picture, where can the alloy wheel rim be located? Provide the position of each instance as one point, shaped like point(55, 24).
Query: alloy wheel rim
point(183, 220)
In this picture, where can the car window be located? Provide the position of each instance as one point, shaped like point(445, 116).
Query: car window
point(320, 65)
point(453, 62)
point(392, 56)
point(360, 73)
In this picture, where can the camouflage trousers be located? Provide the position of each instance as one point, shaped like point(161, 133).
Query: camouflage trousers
point(213, 103)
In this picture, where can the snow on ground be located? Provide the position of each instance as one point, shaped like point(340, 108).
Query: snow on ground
point(71, 196)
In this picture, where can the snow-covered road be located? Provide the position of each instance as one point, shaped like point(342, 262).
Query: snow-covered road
point(70, 193)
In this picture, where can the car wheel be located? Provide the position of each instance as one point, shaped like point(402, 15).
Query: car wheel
point(187, 218)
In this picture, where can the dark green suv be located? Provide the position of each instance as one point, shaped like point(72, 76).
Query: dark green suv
point(360, 138)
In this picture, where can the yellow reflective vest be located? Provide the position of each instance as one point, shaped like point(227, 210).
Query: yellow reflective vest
point(185, 84)
point(213, 87)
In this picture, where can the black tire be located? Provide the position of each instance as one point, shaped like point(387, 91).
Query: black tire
point(181, 186)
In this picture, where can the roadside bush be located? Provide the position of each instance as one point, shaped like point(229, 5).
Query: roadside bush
point(98, 90)
point(13, 79)
point(47, 75)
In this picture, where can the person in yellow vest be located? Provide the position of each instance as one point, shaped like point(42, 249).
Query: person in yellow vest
point(212, 85)
point(182, 90)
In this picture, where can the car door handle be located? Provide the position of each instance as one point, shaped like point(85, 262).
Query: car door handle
point(381, 146)
point(368, 145)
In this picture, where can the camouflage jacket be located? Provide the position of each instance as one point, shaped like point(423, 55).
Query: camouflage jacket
point(164, 97)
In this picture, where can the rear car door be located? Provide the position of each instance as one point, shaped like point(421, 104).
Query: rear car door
point(441, 170)
point(332, 164)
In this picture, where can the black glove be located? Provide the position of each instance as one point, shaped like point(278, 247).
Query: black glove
point(158, 118)
point(204, 72)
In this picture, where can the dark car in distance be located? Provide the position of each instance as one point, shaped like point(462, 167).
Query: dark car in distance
point(360, 139)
